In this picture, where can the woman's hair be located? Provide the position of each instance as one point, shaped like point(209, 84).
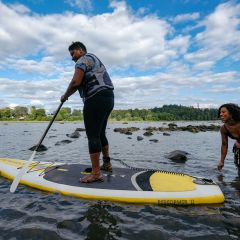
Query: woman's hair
point(77, 45)
point(233, 109)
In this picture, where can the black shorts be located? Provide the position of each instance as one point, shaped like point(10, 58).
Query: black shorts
point(236, 152)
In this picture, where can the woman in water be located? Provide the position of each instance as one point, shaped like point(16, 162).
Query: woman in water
point(230, 115)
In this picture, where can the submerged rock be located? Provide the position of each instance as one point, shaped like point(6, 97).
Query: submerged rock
point(52, 136)
point(41, 148)
point(177, 156)
point(148, 134)
point(172, 126)
point(151, 129)
point(166, 134)
point(63, 142)
point(80, 129)
point(75, 134)
point(139, 138)
point(128, 133)
point(126, 130)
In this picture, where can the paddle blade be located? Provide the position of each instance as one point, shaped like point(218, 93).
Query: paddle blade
point(22, 171)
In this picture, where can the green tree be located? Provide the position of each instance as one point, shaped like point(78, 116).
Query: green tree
point(33, 115)
point(65, 113)
point(7, 113)
point(40, 114)
point(76, 115)
point(20, 111)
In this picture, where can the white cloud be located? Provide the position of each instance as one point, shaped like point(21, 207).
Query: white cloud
point(130, 92)
point(221, 37)
point(204, 65)
point(222, 27)
point(174, 67)
point(45, 66)
point(13, 105)
point(186, 17)
point(81, 4)
point(223, 89)
point(134, 38)
point(20, 8)
point(36, 102)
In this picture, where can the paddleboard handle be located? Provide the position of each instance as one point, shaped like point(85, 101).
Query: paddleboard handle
point(24, 168)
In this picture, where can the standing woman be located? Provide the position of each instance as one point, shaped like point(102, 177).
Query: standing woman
point(96, 89)
point(230, 115)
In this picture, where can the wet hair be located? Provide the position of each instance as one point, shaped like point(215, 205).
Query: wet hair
point(77, 45)
point(233, 109)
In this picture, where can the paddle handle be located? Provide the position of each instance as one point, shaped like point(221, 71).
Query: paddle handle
point(24, 168)
point(21, 173)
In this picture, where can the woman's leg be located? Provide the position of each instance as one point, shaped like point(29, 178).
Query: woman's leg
point(106, 166)
point(95, 112)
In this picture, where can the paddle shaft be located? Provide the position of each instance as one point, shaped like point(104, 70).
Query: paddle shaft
point(49, 125)
point(23, 170)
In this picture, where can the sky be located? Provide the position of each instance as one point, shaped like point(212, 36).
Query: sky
point(183, 52)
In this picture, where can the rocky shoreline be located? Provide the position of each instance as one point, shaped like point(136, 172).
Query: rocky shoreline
point(171, 127)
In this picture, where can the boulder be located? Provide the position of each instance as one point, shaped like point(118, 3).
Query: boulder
point(139, 138)
point(148, 134)
point(151, 129)
point(172, 125)
point(128, 133)
point(41, 148)
point(166, 134)
point(177, 156)
point(126, 130)
point(75, 134)
point(63, 142)
point(80, 129)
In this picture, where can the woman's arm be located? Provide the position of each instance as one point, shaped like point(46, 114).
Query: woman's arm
point(224, 148)
point(74, 84)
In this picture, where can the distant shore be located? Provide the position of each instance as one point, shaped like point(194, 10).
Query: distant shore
point(110, 121)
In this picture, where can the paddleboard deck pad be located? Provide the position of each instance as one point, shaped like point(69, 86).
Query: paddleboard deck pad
point(121, 185)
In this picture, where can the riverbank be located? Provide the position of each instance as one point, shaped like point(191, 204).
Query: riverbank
point(110, 121)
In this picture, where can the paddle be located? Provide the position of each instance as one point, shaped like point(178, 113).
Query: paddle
point(27, 163)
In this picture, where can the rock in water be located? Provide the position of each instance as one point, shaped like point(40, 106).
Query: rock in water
point(75, 134)
point(63, 142)
point(139, 138)
point(177, 156)
point(148, 134)
point(41, 148)
point(166, 134)
point(80, 129)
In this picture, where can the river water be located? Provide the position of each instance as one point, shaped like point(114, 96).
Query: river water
point(33, 214)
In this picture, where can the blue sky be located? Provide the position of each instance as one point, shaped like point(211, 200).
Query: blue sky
point(157, 52)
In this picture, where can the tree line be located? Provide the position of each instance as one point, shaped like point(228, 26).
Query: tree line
point(164, 113)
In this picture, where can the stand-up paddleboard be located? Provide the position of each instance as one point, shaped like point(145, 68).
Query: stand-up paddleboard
point(122, 185)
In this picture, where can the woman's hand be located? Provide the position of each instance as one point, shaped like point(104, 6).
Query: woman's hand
point(220, 165)
point(63, 98)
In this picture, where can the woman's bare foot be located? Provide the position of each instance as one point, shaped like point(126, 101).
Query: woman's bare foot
point(93, 177)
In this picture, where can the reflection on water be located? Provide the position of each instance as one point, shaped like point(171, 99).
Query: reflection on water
point(32, 214)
